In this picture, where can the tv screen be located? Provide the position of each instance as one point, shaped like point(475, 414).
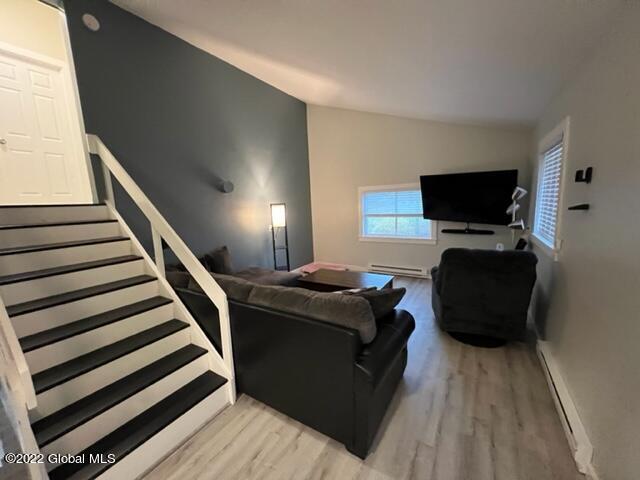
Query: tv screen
point(476, 197)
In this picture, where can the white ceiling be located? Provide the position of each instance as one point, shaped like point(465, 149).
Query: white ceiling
point(485, 61)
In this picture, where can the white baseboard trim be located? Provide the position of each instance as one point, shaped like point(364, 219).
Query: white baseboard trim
point(574, 430)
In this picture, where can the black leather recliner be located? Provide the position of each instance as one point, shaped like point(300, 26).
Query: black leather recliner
point(315, 372)
point(483, 292)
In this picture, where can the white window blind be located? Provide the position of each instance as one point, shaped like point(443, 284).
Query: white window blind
point(393, 214)
point(548, 196)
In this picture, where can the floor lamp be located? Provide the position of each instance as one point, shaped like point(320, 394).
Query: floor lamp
point(279, 221)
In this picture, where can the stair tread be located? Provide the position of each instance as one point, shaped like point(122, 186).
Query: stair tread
point(54, 300)
point(71, 369)
point(63, 421)
point(55, 246)
point(53, 335)
point(56, 224)
point(134, 433)
point(76, 267)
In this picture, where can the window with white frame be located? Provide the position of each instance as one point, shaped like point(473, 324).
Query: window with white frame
point(545, 227)
point(393, 213)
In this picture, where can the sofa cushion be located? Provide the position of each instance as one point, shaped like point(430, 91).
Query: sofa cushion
point(218, 261)
point(382, 301)
point(346, 310)
point(175, 267)
point(265, 276)
point(235, 288)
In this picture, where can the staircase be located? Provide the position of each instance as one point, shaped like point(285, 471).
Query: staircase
point(118, 365)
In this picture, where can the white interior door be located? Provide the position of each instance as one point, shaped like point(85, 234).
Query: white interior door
point(41, 157)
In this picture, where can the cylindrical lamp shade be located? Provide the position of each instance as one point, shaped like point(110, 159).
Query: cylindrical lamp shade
point(278, 215)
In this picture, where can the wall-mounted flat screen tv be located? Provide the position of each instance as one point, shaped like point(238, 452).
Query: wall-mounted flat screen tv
point(474, 197)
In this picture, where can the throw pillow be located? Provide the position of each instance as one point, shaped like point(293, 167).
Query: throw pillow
point(382, 301)
point(178, 279)
point(265, 276)
point(219, 261)
point(177, 267)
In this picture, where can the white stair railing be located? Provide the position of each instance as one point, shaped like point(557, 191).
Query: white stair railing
point(161, 230)
point(17, 393)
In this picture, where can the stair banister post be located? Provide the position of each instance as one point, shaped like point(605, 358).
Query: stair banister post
point(158, 252)
point(227, 346)
point(19, 393)
point(108, 184)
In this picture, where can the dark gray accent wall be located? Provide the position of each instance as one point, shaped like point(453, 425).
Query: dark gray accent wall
point(179, 120)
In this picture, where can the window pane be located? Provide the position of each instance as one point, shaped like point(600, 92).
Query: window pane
point(413, 227)
point(401, 202)
point(381, 226)
point(409, 202)
point(394, 214)
point(379, 203)
point(548, 194)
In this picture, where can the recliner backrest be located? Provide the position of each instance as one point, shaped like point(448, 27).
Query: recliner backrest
point(498, 282)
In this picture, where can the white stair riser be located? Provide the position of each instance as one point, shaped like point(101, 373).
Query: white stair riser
point(34, 322)
point(36, 215)
point(45, 287)
point(60, 352)
point(19, 237)
point(30, 262)
point(88, 433)
point(150, 453)
point(62, 395)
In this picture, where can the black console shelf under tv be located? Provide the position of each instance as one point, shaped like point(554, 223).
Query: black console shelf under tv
point(467, 231)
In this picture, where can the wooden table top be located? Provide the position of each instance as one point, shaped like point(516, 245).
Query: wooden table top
point(331, 280)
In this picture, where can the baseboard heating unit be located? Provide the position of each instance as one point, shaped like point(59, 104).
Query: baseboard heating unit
point(421, 272)
point(573, 428)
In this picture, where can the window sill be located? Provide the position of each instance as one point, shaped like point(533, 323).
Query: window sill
point(541, 245)
point(417, 241)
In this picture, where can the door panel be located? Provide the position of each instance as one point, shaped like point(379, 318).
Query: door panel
point(39, 162)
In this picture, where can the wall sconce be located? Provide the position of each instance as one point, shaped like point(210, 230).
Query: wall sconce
point(225, 186)
point(279, 223)
point(91, 22)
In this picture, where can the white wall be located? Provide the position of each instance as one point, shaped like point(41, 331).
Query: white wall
point(31, 25)
point(588, 303)
point(349, 149)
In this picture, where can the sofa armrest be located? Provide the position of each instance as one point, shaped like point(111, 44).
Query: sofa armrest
point(379, 368)
point(394, 331)
point(302, 367)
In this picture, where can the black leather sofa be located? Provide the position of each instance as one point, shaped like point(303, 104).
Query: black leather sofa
point(315, 372)
point(484, 292)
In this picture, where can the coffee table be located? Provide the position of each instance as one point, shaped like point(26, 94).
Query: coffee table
point(325, 280)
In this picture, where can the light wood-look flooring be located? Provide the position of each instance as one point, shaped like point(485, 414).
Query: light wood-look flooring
point(460, 413)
